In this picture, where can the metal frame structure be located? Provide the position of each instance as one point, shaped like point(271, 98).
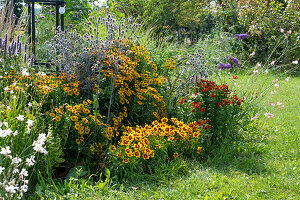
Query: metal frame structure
point(31, 13)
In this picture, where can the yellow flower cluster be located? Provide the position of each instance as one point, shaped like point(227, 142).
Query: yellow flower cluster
point(144, 141)
point(45, 84)
point(133, 81)
point(81, 117)
point(170, 63)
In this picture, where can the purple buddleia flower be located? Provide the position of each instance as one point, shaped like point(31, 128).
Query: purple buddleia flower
point(224, 66)
point(241, 36)
point(234, 60)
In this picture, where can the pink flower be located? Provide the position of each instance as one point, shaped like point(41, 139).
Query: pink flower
point(282, 30)
point(255, 117)
point(272, 104)
point(295, 62)
point(269, 115)
point(274, 81)
point(287, 79)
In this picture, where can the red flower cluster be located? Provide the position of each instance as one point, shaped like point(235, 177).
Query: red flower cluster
point(202, 123)
point(205, 86)
point(182, 101)
point(234, 100)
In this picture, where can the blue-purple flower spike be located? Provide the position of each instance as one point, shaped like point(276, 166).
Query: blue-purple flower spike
point(224, 66)
point(234, 60)
point(241, 36)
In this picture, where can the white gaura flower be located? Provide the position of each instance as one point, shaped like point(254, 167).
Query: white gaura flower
point(24, 188)
point(11, 188)
point(15, 133)
point(16, 171)
point(38, 144)
point(6, 89)
point(23, 173)
point(295, 62)
point(30, 122)
point(5, 151)
point(16, 160)
point(5, 133)
point(276, 85)
point(1, 169)
point(30, 161)
point(20, 118)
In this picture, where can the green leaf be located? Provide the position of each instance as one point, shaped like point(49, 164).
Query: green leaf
point(76, 172)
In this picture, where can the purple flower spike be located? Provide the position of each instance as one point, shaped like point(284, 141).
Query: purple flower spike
point(224, 66)
point(234, 60)
point(241, 36)
point(89, 22)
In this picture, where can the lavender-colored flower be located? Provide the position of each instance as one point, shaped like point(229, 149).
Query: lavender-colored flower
point(224, 66)
point(89, 22)
point(234, 60)
point(71, 25)
point(241, 36)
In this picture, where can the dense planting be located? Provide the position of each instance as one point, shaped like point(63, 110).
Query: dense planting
point(122, 108)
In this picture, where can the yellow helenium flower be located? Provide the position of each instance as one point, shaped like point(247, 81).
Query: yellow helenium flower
point(74, 118)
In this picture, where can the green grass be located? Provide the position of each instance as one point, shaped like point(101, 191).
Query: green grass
point(262, 165)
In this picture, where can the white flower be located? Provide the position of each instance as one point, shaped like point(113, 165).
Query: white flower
point(25, 72)
point(20, 118)
point(23, 173)
point(255, 71)
point(29, 104)
point(194, 96)
point(6, 89)
point(295, 62)
point(276, 85)
point(30, 161)
point(24, 188)
point(282, 30)
point(272, 63)
point(42, 73)
point(2, 169)
point(16, 171)
point(5, 151)
point(15, 133)
point(253, 53)
point(5, 133)
point(258, 65)
point(30, 122)
point(16, 160)
point(38, 144)
point(11, 188)
point(289, 32)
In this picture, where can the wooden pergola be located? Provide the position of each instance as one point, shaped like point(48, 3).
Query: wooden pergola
point(31, 13)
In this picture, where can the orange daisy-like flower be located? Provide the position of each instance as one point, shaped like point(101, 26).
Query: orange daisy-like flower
point(112, 148)
point(175, 155)
point(146, 156)
point(164, 120)
point(137, 154)
point(199, 150)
